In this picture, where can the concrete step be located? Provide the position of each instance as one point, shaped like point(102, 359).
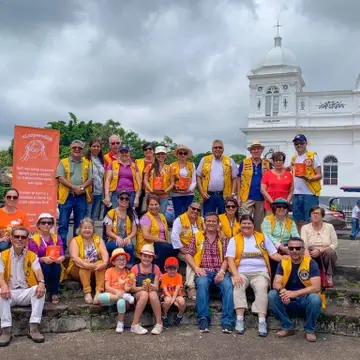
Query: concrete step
point(344, 295)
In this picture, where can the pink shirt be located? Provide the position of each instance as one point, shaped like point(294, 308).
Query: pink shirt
point(126, 181)
point(145, 220)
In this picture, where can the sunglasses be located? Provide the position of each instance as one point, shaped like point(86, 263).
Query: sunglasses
point(281, 206)
point(148, 149)
point(217, 147)
point(9, 197)
point(299, 143)
point(293, 248)
point(115, 143)
point(20, 237)
point(195, 209)
point(76, 148)
point(230, 207)
point(182, 153)
point(124, 198)
point(46, 223)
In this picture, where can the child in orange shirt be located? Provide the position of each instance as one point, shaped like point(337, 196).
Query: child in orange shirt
point(171, 286)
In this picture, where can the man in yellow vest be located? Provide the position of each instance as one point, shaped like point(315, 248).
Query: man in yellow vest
point(251, 170)
point(22, 284)
point(74, 175)
point(296, 287)
point(113, 154)
point(307, 180)
point(216, 179)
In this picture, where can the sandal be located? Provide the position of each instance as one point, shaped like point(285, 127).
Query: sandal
point(88, 298)
point(55, 299)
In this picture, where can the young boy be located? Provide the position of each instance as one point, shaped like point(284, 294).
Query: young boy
point(171, 286)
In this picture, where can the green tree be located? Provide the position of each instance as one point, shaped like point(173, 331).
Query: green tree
point(238, 158)
point(5, 159)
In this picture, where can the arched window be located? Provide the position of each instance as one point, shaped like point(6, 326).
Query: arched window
point(272, 99)
point(330, 170)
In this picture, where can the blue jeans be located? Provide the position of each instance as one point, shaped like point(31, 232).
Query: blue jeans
point(114, 198)
point(77, 205)
point(215, 203)
point(202, 298)
point(163, 250)
point(310, 304)
point(52, 274)
point(93, 209)
point(301, 206)
point(163, 205)
point(4, 245)
point(355, 227)
point(111, 246)
point(181, 204)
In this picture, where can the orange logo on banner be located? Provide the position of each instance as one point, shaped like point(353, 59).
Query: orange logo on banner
point(36, 156)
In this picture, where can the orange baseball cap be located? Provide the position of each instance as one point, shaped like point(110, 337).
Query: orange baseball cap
point(172, 262)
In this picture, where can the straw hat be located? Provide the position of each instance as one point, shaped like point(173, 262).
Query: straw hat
point(117, 252)
point(255, 143)
point(148, 249)
point(182, 147)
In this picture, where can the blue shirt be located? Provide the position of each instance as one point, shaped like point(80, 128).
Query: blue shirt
point(294, 282)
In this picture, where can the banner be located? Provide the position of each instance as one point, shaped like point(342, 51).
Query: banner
point(35, 159)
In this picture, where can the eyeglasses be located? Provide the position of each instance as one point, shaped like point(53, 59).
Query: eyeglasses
point(9, 197)
point(123, 198)
point(299, 143)
point(217, 147)
point(195, 209)
point(20, 237)
point(230, 207)
point(148, 149)
point(316, 213)
point(76, 148)
point(115, 143)
point(120, 260)
point(182, 153)
point(46, 223)
point(293, 248)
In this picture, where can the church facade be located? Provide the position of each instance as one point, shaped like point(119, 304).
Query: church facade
point(280, 108)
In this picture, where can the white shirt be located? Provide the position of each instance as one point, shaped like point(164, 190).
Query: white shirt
point(355, 212)
point(216, 182)
point(184, 173)
point(251, 259)
point(17, 278)
point(300, 187)
point(176, 231)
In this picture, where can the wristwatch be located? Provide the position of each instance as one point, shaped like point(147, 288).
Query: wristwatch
point(81, 188)
point(42, 281)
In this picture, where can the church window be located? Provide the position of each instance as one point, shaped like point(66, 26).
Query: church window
point(330, 170)
point(272, 99)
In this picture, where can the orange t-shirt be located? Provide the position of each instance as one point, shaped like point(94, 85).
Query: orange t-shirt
point(19, 218)
point(117, 279)
point(147, 171)
point(171, 282)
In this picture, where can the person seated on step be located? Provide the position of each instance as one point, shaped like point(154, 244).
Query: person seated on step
point(296, 287)
point(146, 289)
point(171, 284)
point(321, 242)
point(248, 255)
point(205, 254)
point(22, 284)
point(184, 228)
point(88, 258)
point(49, 249)
point(118, 284)
point(229, 220)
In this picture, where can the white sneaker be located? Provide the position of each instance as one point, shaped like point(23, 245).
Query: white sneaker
point(240, 326)
point(157, 330)
point(138, 329)
point(129, 298)
point(119, 327)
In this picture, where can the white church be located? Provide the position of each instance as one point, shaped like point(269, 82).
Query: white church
point(280, 108)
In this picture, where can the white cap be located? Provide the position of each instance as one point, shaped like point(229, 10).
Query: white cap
point(160, 149)
point(44, 216)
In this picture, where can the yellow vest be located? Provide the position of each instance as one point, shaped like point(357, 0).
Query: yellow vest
point(107, 159)
point(37, 239)
point(112, 214)
point(80, 242)
point(175, 170)
point(206, 170)
point(260, 241)
point(303, 274)
point(199, 248)
point(288, 222)
point(115, 176)
point(314, 186)
point(166, 177)
point(30, 257)
point(154, 231)
point(186, 228)
point(226, 227)
point(246, 176)
point(63, 191)
point(141, 166)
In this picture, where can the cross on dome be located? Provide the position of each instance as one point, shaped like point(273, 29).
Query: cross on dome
point(278, 26)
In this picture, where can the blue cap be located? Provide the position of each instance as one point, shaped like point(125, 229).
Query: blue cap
point(300, 137)
point(124, 147)
point(280, 201)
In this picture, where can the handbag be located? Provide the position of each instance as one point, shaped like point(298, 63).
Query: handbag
point(324, 282)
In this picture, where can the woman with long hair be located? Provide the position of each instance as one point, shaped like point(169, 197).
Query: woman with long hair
point(229, 221)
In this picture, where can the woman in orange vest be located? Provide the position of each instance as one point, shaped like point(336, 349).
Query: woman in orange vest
point(49, 249)
point(157, 179)
point(183, 175)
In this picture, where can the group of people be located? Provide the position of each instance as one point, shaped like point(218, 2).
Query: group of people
point(238, 235)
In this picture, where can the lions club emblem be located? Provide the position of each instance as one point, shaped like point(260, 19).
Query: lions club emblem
point(304, 275)
point(262, 245)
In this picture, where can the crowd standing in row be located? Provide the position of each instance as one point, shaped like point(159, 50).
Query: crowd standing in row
point(259, 248)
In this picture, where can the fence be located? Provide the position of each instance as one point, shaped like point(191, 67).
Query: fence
point(347, 210)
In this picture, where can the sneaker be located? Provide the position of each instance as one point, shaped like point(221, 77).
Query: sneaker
point(262, 329)
point(129, 298)
point(203, 326)
point(138, 329)
point(177, 320)
point(119, 327)
point(240, 327)
point(166, 323)
point(157, 329)
point(226, 329)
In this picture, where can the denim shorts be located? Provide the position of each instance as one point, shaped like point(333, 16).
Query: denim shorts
point(301, 206)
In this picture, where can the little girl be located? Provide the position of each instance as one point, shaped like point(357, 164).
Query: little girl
point(146, 289)
point(117, 284)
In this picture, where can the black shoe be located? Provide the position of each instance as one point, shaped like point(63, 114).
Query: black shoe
point(351, 237)
point(177, 320)
point(166, 323)
point(227, 329)
point(203, 326)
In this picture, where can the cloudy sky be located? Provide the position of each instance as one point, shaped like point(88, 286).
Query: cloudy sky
point(174, 67)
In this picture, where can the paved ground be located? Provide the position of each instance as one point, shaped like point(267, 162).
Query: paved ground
point(180, 344)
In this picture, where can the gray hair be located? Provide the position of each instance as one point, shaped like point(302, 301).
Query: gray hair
point(217, 141)
point(114, 136)
point(79, 142)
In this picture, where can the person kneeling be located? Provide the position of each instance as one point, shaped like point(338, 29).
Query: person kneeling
point(296, 286)
point(118, 283)
point(172, 285)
